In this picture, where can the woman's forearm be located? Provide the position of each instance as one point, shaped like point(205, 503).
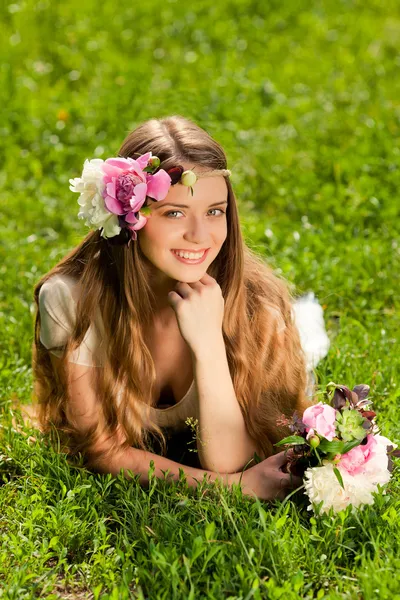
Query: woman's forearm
point(138, 462)
point(225, 444)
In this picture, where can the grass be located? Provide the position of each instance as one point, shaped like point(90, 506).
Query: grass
point(304, 98)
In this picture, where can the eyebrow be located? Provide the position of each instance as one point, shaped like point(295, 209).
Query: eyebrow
point(186, 206)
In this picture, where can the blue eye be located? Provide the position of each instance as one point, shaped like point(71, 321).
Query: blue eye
point(178, 211)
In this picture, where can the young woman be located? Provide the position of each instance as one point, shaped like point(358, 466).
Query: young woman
point(163, 314)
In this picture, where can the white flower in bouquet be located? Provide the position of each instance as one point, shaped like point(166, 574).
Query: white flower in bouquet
point(361, 470)
point(353, 458)
point(321, 484)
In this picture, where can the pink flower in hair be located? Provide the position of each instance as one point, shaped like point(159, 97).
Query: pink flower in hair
point(137, 224)
point(112, 192)
point(127, 185)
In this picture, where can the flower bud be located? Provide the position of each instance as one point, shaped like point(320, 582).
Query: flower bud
point(188, 178)
point(337, 458)
point(314, 441)
point(154, 162)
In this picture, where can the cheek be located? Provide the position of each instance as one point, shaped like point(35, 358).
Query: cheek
point(157, 228)
point(155, 240)
point(151, 233)
point(147, 240)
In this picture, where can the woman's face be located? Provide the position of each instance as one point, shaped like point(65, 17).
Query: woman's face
point(194, 224)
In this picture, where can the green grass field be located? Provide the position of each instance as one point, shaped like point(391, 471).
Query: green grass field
point(305, 98)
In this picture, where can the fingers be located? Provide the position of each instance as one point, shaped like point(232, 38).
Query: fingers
point(281, 495)
point(207, 279)
point(290, 481)
point(278, 460)
point(296, 481)
point(183, 289)
point(196, 285)
point(173, 299)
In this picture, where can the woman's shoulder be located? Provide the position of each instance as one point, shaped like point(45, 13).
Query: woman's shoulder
point(61, 285)
point(58, 298)
point(59, 281)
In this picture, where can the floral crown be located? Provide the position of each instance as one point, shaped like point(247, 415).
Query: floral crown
point(112, 192)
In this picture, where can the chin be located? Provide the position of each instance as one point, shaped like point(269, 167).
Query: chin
point(191, 279)
point(188, 278)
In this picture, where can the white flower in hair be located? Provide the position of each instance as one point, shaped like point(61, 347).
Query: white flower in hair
point(91, 187)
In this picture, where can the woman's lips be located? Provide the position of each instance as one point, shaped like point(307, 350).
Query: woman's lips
point(197, 251)
point(188, 261)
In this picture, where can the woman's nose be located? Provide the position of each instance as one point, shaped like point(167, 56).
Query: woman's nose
point(197, 231)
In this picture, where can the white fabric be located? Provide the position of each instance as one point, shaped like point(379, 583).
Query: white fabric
point(57, 305)
point(309, 319)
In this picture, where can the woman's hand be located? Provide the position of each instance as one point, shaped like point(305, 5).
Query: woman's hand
point(266, 480)
point(199, 308)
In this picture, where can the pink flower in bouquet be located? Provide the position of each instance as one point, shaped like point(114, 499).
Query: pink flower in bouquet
point(320, 419)
point(355, 460)
point(362, 469)
point(369, 459)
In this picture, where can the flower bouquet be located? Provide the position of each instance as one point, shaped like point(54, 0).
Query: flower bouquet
point(336, 447)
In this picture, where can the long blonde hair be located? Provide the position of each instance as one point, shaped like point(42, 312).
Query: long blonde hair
point(268, 372)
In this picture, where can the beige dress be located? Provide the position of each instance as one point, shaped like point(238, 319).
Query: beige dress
point(57, 305)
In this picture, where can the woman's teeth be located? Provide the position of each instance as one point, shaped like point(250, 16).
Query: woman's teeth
point(190, 255)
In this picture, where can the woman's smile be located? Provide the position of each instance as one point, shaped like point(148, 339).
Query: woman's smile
point(190, 258)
